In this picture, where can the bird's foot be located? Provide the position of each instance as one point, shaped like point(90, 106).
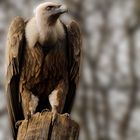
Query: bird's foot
point(67, 115)
point(54, 117)
point(45, 110)
point(18, 123)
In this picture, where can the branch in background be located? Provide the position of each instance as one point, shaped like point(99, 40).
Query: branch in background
point(3, 111)
point(124, 126)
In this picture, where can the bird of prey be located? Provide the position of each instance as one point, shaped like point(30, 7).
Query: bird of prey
point(43, 60)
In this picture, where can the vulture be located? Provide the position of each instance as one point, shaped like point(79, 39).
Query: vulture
point(43, 60)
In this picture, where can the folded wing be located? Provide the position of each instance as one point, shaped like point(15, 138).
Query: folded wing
point(74, 55)
point(15, 49)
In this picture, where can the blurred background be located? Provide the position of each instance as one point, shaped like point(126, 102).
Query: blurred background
point(107, 104)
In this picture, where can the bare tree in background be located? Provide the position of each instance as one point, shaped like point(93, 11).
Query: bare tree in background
point(108, 101)
point(109, 90)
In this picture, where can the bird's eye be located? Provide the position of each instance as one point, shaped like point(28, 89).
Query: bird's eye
point(49, 7)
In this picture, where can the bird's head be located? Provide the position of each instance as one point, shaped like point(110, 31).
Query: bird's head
point(50, 12)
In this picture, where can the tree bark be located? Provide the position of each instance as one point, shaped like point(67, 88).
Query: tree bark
point(40, 127)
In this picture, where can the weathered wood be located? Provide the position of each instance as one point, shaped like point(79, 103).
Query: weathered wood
point(40, 127)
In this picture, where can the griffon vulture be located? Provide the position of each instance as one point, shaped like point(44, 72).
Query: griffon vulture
point(43, 61)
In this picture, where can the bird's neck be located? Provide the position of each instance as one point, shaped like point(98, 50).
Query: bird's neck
point(49, 33)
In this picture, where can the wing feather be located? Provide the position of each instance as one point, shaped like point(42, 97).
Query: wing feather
point(74, 54)
point(15, 46)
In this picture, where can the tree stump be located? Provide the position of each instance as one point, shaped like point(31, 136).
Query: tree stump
point(40, 127)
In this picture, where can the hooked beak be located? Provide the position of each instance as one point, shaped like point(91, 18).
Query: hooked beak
point(63, 9)
point(60, 10)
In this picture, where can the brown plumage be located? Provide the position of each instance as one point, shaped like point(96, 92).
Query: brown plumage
point(42, 72)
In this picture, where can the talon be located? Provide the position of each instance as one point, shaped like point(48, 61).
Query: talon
point(45, 110)
point(18, 123)
point(67, 115)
